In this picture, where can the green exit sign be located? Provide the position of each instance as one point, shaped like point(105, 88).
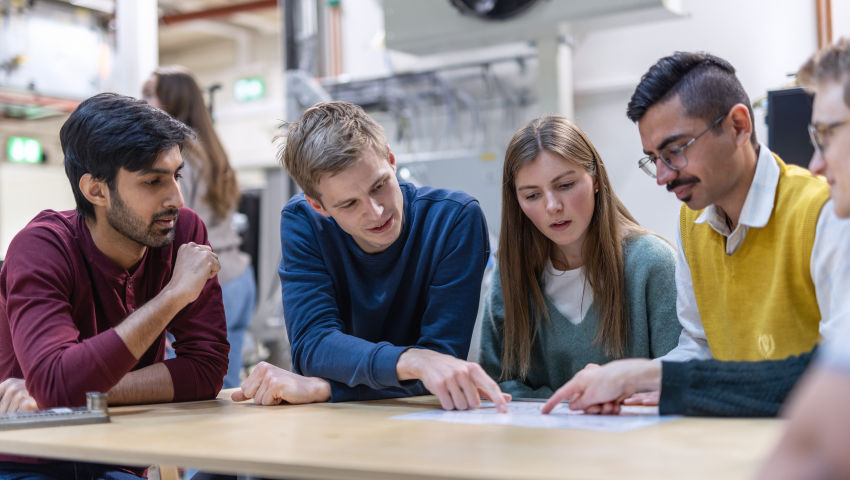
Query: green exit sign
point(249, 89)
point(24, 150)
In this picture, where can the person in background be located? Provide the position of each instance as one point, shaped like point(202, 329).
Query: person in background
point(380, 280)
point(87, 296)
point(578, 279)
point(210, 189)
point(815, 443)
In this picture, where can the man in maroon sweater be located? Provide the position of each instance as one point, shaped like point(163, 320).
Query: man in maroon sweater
point(87, 296)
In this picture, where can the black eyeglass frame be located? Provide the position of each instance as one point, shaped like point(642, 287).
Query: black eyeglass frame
point(648, 164)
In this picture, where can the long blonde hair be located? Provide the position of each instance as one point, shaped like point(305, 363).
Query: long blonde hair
point(524, 250)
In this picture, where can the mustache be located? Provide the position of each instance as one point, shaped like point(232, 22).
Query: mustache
point(171, 212)
point(679, 182)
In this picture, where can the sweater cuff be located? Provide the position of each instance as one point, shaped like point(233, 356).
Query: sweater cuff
point(675, 380)
point(185, 384)
point(189, 383)
point(384, 365)
point(114, 358)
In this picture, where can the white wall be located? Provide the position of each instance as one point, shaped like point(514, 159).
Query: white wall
point(840, 18)
point(26, 190)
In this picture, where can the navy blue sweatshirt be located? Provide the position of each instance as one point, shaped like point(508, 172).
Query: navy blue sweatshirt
point(350, 314)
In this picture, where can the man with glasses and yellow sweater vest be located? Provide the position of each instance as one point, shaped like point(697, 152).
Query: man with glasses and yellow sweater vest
point(759, 244)
point(815, 443)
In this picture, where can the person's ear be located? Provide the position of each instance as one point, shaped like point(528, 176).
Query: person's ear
point(742, 123)
point(317, 206)
point(391, 157)
point(94, 190)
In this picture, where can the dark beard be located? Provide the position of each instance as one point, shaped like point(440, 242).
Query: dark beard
point(125, 222)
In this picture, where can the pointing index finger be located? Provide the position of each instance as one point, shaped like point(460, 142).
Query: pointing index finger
point(566, 392)
point(490, 389)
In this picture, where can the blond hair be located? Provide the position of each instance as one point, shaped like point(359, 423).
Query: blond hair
point(329, 138)
point(524, 250)
point(830, 64)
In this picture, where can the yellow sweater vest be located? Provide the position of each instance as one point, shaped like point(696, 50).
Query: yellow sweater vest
point(760, 303)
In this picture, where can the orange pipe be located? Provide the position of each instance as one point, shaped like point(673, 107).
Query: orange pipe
point(823, 10)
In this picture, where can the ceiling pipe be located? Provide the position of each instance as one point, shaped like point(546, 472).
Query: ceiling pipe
point(218, 12)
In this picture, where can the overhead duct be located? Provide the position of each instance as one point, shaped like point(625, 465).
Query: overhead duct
point(435, 27)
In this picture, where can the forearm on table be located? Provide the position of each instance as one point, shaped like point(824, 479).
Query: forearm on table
point(343, 393)
point(713, 387)
point(151, 384)
point(347, 359)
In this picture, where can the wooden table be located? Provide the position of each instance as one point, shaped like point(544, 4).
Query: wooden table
point(359, 440)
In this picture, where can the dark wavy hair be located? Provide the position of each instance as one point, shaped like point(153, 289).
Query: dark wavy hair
point(706, 85)
point(108, 132)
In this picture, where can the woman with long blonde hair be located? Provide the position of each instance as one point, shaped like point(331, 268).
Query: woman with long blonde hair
point(578, 280)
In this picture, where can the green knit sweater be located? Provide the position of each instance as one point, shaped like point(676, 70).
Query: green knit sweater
point(713, 388)
point(561, 349)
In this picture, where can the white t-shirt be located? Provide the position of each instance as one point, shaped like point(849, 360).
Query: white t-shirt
point(569, 291)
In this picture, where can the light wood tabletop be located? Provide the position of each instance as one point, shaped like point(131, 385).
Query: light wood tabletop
point(360, 440)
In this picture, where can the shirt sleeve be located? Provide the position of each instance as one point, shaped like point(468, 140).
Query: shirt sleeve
point(729, 389)
point(200, 334)
point(693, 344)
point(836, 351)
point(454, 292)
point(830, 270)
point(321, 348)
point(59, 368)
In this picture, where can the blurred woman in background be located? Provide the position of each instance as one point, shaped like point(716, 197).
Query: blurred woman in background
point(210, 188)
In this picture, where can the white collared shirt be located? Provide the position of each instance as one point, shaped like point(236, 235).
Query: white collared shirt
point(829, 265)
point(835, 353)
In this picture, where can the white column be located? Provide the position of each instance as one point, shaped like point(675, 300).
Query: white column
point(137, 49)
point(554, 84)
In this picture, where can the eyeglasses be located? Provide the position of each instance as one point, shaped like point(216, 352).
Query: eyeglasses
point(819, 133)
point(673, 156)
